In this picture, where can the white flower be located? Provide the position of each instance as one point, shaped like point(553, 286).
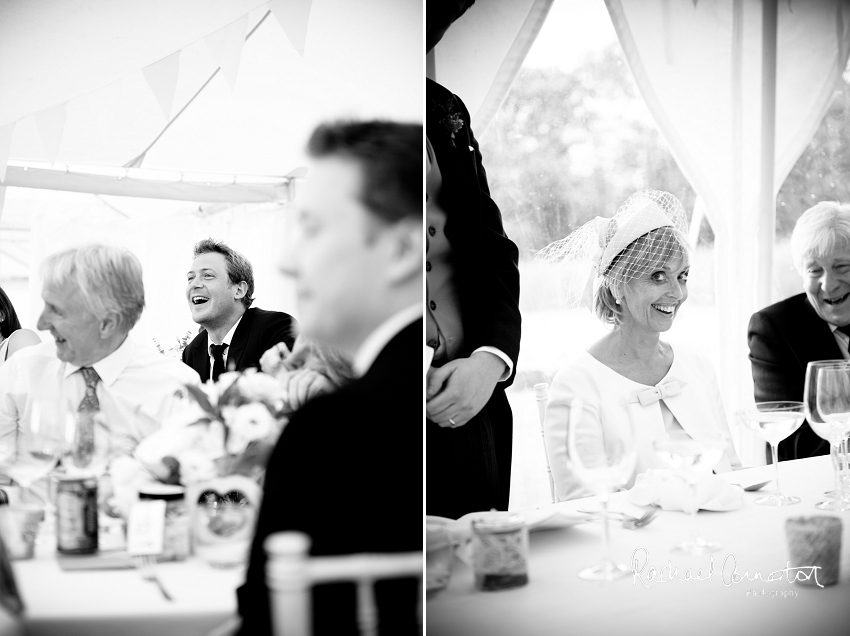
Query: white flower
point(211, 441)
point(214, 390)
point(164, 443)
point(260, 387)
point(195, 466)
point(248, 423)
point(185, 412)
point(225, 380)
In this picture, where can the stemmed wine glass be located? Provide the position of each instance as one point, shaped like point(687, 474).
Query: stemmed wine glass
point(91, 462)
point(827, 398)
point(774, 421)
point(604, 460)
point(32, 452)
point(692, 459)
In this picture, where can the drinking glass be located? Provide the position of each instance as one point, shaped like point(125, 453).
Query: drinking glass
point(831, 384)
point(604, 459)
point(773, 422)
point(32, 452)
point(691, 459)
point(83, 464)
point(810, 400)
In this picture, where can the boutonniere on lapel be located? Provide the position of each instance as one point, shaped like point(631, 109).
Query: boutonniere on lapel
point(449, 118)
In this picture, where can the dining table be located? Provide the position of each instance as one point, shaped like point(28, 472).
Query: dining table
point(106, 595)
point(747, 587)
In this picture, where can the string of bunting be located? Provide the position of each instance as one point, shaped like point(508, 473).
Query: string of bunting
point(225, 45)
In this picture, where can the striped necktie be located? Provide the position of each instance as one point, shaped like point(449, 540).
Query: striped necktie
point(88, 409)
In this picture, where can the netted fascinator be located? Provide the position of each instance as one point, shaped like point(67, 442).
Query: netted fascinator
point(612, 251)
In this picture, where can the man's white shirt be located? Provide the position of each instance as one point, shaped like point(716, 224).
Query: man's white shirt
point(138, 387)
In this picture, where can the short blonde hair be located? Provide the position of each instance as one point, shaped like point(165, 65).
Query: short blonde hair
point(820, 230)
point(648, 252)
point(108, 278)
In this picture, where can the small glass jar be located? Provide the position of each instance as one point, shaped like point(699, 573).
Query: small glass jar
point(176, 541)
point(500, 552)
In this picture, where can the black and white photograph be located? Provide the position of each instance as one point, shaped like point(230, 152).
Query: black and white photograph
point(637, 314)
point(211, 299)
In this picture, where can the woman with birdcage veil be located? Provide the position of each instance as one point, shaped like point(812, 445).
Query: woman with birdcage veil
point(632, 270)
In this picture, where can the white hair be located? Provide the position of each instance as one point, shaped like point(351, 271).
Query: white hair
point(820, 230)
point(109, 280)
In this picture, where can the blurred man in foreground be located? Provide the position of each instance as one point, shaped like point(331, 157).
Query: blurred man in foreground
point(347, 469)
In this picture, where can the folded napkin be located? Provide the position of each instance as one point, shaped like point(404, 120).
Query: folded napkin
point(670, 491)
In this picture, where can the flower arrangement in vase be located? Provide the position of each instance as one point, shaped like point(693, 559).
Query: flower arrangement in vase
point(217, 445)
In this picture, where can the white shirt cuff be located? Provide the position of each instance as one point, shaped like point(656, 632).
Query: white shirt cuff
point(509, 365)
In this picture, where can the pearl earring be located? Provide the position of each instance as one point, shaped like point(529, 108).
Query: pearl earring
point(617, 300)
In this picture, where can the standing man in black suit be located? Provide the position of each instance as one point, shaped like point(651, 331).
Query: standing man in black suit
point(473, 319)
point(347, 469)
point(235, 335)
point(814, 325)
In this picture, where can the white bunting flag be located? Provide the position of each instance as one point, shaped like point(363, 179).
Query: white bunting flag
point(226, 46)
point(5, 147)
point(51, 126)
point(161, 76)
point(293, 16)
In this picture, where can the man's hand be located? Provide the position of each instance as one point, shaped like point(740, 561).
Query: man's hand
point(272, 360)
point(458, 390)
point(303, 384)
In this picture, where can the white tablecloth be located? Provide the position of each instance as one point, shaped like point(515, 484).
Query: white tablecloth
point(557, 602)
point(120, 602)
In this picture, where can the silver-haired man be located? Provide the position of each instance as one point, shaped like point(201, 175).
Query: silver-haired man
point(813, 325)
point(93, 297)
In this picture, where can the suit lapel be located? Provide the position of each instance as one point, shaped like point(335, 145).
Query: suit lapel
point(240, 340)
point(203, 354)
point(814, 335)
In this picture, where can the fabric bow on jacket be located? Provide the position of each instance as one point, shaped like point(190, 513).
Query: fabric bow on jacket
point(660, 391)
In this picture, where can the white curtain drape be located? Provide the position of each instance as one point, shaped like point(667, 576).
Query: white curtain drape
point(698, 66)
point(85, 62)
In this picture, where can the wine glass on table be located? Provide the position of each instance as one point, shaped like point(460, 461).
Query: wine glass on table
point(691, 459)
point(829, 410)
point(87, 453)
point(773, 422)
point(604, 459)
point(30, 453)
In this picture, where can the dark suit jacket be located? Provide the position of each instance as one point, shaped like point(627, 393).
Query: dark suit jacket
point(783, 339)
point(258, 332)
point(347, 470)
point(485, 259)
point(486, 277)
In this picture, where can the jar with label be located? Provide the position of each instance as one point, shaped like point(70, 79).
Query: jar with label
point(176, 540)
point(499, 551)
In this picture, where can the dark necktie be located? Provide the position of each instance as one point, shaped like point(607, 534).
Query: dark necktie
point(88, 409)
point(218, 360)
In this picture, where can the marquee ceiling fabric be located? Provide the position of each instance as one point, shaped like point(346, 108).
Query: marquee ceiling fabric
point(84, 60)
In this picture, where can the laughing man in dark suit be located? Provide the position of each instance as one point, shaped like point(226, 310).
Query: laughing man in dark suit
point(814, 325)
point(219, 291)
point(347, 469)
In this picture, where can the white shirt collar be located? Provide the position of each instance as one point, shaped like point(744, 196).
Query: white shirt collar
point(228, 338)
point(113, 365)
point(378, 339)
